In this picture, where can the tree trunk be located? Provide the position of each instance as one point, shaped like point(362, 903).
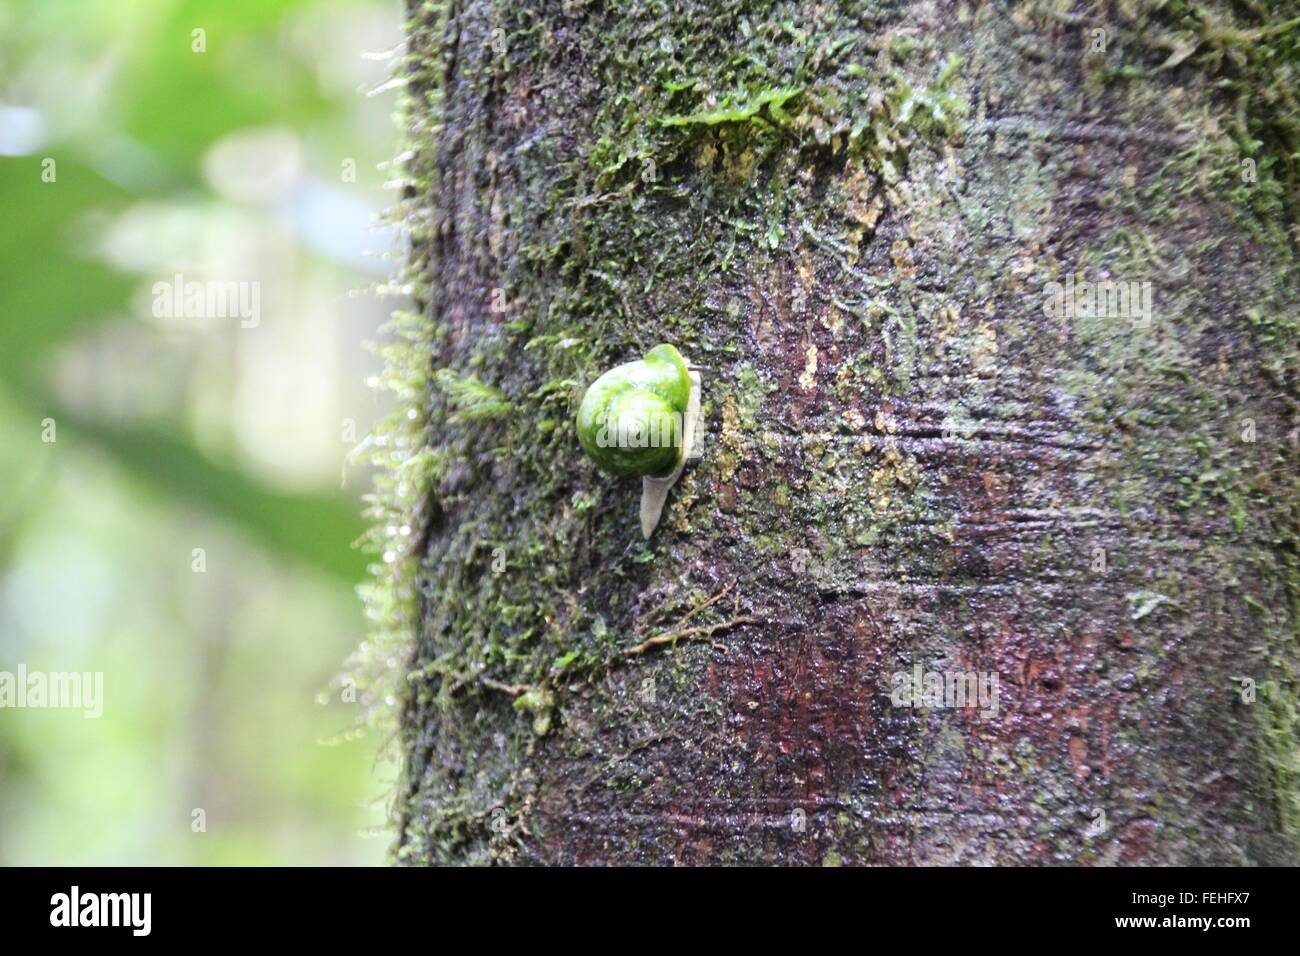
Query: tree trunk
point(917, 461)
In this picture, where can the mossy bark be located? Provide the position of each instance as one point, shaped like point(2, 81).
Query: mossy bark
point(849, 213)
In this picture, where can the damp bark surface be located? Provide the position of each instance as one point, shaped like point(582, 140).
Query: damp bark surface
point(914, 463)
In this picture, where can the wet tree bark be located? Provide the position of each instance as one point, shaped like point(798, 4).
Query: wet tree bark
point(851, 214)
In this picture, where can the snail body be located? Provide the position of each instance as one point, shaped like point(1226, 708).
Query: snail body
point(640, 418)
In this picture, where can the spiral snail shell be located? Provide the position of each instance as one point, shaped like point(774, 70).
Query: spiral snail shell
point(640, 418)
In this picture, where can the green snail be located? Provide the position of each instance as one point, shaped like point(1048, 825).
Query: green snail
point(640, 418)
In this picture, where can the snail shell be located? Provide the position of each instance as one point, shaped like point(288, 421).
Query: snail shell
point(640, 418)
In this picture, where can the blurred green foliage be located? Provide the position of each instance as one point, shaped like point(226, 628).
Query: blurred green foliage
point(128, 155)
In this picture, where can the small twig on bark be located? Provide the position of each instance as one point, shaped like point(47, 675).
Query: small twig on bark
point(686, 633)
point(655, 615)
point(514, 690)
point(709, 603)
point(690, 633)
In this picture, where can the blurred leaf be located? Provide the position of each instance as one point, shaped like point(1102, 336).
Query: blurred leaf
point(316, 529)
point(49, 291)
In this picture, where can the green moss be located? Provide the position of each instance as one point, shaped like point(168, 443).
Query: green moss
point(1255, 59)
point(471, 399)
point(1280, 729)
point(772, 100)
